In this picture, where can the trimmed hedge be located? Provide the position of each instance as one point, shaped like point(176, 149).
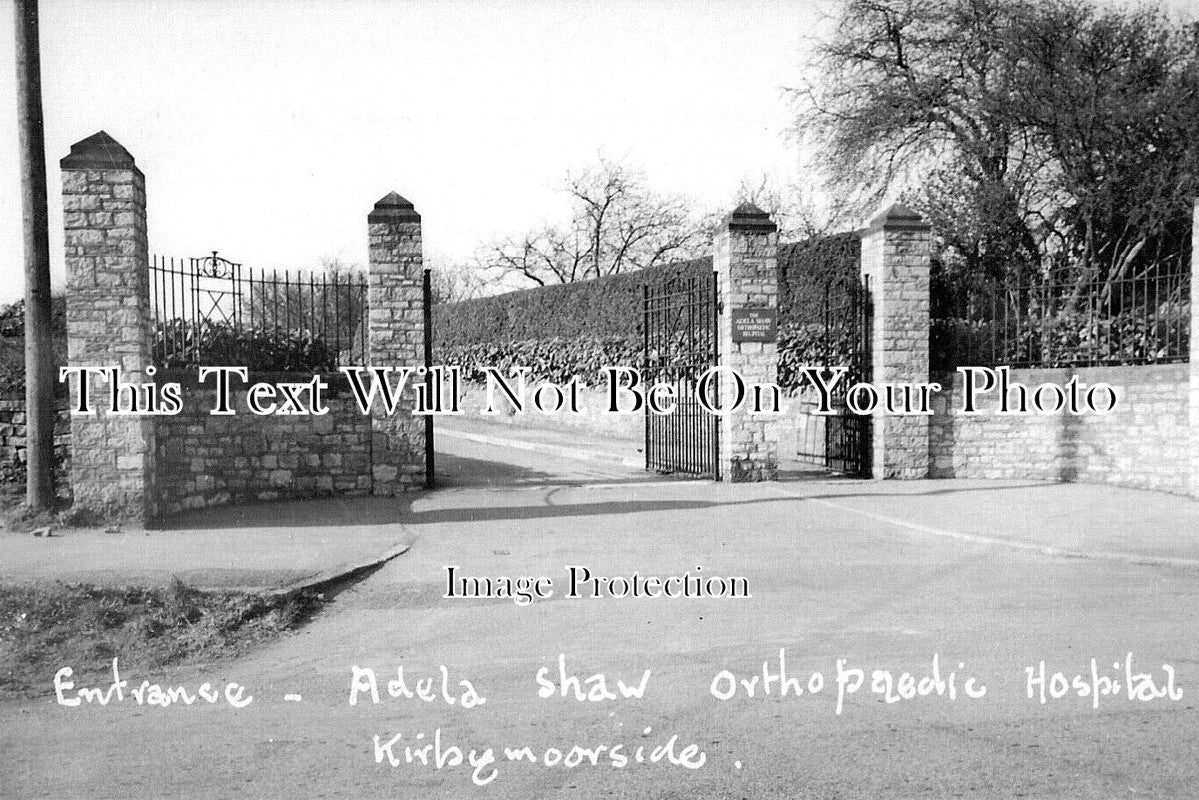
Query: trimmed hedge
point(556, 360)
point(602, 308)
point(806, 267)
point(578, 328)
point(611, 307)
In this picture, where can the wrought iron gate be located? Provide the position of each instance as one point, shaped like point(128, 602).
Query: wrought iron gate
point(840, 337)
point(427, 306)
point(680, 327)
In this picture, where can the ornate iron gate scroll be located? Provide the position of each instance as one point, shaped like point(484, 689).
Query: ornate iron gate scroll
point(840, 442)
point(681, 333)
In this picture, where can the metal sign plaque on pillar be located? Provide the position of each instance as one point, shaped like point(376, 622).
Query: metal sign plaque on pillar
point(745, 259)
point(754, 324)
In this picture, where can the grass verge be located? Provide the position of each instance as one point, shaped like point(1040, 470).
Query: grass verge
point(84, 626)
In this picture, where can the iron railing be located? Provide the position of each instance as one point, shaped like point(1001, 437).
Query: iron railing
point(1062, 321)
point(209, 311)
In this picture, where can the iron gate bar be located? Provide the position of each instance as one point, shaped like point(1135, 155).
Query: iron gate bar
point(427, 297)
point(210, 311)
point(840, 442)
point(679, 341)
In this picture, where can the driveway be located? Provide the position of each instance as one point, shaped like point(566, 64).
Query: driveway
point(987, 578)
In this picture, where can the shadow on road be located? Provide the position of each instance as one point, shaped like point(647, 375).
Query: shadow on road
point(371, 511)
point(489, 482)
point(455, 472)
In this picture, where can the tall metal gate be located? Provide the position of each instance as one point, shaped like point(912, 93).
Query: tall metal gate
point(680, 326)
point(838, 333)
point(427, 306)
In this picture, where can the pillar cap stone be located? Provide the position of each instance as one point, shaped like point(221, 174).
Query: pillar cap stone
point(748, 217)
point(393, 208)
point(98, 151)
point(899, 217)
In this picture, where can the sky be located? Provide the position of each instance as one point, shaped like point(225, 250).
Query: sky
point(267, 130)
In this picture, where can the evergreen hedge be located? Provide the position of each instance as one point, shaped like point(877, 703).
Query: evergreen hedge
point(607, 307)
point(578, 328)
point(611, 307)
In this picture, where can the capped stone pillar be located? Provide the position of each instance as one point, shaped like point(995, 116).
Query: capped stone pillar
point(745, 257)
point(397, 339)
point(896, 251)
point(108, 323)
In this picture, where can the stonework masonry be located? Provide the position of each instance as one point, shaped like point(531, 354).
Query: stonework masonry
point(12, 447)
point(137, 468)
point(1151, 440)
point(206, 460)
point(397, 338)
point(895, 267)
point(108, 321)
point(745, 257)
point(1147, 442)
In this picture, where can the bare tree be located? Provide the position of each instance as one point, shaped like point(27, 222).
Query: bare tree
point(618, 224)
point(911, 90)
point(452, 283)
point(1112, 98)
point(798, 210)
point(1033, 134)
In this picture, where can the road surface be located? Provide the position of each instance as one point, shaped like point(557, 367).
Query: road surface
point(837, 571)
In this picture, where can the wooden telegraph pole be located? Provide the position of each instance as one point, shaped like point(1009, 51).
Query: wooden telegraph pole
point(39, 353)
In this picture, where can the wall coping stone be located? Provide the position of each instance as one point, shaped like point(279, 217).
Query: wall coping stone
point(748, 217)
point(898, 217)
point(393, 207)
point(98, 151)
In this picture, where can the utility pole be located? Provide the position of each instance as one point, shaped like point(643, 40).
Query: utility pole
point(39, 352)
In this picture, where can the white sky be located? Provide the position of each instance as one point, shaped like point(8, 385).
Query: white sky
point(268, 129)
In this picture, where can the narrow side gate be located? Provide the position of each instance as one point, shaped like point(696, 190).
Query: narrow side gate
point(681, 334)
point(839, 333)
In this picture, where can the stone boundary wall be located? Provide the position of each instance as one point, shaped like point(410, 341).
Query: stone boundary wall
point(206, 459)
point(12, 447)
point(139, 468)
point(1145, 443)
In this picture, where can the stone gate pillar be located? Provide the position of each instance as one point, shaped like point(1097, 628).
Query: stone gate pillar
point(396, 339)
point(895, 263)
point(745, 257)
point(108, 323)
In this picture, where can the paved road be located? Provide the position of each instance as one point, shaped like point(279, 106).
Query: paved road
point(884, 582)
